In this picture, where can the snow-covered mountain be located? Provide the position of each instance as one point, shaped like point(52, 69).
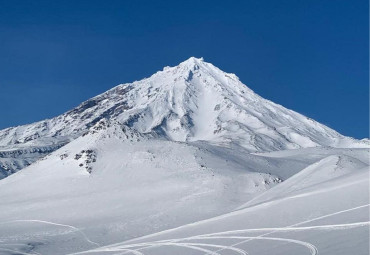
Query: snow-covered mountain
point(188, 161)
point(194, 101)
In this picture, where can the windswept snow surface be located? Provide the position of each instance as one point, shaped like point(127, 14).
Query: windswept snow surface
point(330, 217)
point(188, 161)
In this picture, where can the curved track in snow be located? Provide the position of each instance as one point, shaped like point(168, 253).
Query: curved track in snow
point(182, 242)
point(75, 229)
point(239, 234)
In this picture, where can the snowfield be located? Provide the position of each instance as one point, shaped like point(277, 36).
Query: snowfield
point(188, 161)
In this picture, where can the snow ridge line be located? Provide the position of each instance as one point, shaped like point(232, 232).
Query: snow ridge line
point(56, 224)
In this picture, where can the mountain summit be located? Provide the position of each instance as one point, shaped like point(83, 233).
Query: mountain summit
point(190, 144)
point(194, 101)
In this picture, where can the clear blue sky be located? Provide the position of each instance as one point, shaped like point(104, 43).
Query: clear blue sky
point(310, 56)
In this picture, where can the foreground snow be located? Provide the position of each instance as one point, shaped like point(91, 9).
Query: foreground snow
point(113, 185)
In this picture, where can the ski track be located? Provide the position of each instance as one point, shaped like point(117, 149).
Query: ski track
point(138, 247)
point(220, 235)
point(135, 252)
point(310, 246)
point(55, 224)
point(303, 222)
point(194, 246)
point(223, 235)
point(283, 229)
point(185, 245)
point(17, 252)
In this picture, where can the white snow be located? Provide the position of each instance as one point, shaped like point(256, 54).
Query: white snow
point(188, 161)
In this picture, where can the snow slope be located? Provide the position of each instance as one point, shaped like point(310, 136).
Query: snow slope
point(114, 180)
point(300, 216)
point(113, 184)
point(194, 101)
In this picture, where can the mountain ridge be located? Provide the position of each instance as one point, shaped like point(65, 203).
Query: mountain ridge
point(193, 101)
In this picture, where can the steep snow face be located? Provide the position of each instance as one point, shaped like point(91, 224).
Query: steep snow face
point(190, 102)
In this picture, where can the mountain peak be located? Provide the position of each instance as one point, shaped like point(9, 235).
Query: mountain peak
point(193, 101)
point(189, 63)
point(203, 72)
point(193, 61)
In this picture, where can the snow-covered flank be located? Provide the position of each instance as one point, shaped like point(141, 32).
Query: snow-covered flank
point(190, 102)
point(139, 184)
point(307, 214)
